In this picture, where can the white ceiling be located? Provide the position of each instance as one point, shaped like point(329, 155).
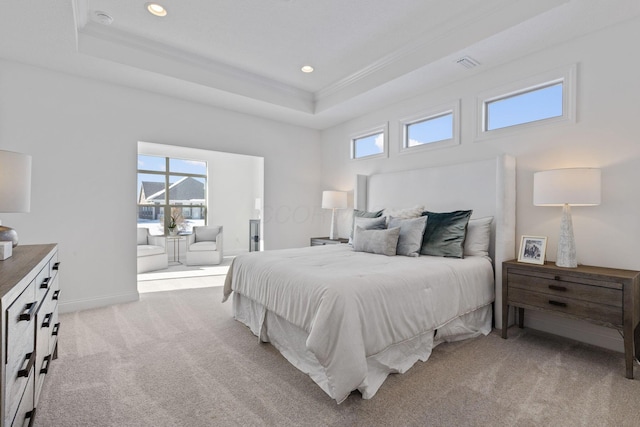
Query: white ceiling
point(245, 55)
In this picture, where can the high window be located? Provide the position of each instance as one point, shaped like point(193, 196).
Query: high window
point(369, 144)
point(525, 107)
point(171, 192)
point(436, 128)
point(544, 99)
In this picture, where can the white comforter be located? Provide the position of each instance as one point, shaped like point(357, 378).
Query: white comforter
point(355, 304)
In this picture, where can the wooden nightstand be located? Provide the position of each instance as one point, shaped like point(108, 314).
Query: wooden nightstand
point(604, 296)
point(319, 241)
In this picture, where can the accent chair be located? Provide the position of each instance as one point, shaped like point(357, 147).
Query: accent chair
point(204, 245)
point(152, 251)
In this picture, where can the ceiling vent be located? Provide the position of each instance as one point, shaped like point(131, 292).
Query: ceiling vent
point(102, 17)
point(467, 62)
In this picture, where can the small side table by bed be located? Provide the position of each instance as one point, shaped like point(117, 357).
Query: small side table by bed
point(603, 296)
point(320, 241)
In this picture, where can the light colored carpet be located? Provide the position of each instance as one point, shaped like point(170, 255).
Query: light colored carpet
point(178, 359)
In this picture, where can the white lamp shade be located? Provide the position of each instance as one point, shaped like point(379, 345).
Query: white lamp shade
point(576, 187)
point(15, 182)
point(334, 200)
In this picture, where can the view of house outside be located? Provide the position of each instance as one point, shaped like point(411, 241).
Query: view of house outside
point(171, 192)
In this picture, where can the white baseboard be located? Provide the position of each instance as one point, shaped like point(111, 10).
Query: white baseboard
point(574, 329)
point(86, 304)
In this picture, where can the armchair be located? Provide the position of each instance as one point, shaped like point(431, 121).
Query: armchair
point(204, 245)
point(152, 252)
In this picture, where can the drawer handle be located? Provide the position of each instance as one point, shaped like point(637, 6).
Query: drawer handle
point(56, 328)
point(46, 322)
point(28, 311)
point(56, 266)
point(31, 415)
point(557, 288)
point(558, 303)
point(56, 294)
point(556, 278)
point(31, 359)
point(45, 283)
point(45, 364)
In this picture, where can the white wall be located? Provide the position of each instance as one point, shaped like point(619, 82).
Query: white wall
point(83, 137)
point(604, 136)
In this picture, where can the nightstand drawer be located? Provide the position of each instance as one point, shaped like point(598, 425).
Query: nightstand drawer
point(573, 307)
point(556, 286)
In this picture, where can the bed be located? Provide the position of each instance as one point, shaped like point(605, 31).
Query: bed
point(349, 318)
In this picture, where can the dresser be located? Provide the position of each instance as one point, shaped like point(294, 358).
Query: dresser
point(29, 293)
point(604, 296)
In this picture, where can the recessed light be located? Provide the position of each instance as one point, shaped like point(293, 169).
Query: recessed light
point(307, 69)
point(156, 9)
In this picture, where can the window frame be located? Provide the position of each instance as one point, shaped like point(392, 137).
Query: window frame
point(565, 75)
point(382, 129)
point(452, 108)
point(166, 206)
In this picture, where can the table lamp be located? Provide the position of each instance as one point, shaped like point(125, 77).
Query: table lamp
point(334, 200)
point(567, 187)
point(15, 189)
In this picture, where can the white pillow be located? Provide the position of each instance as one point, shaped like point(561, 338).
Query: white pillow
point(478, 237)
point(413, 212)
point(383, 242)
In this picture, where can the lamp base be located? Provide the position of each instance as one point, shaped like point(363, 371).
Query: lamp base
point(566, 244)
point(8, 234)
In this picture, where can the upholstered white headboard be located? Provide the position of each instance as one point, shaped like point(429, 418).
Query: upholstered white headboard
point(487, 186)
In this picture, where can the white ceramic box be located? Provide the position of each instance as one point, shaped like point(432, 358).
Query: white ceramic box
point(5, 250)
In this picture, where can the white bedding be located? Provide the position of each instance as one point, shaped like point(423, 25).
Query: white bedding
point(353, 305)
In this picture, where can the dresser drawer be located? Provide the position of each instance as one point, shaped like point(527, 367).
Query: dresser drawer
point(45, 321)
point(561, 287)
point(26, 409)
point(20, 321)
point(582, 309)
point(43, 283)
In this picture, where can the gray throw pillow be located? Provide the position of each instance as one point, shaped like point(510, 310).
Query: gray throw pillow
point(383, 242)
point(369, 224)
point(357, 213)
point(445, 233)
point(411, 233)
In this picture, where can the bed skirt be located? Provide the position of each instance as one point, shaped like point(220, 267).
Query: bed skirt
point(290, 340)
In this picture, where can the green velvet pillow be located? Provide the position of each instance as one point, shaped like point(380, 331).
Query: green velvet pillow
point(445, 233)
point(357, 213)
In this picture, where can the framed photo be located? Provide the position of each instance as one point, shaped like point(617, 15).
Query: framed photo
point(532, 249)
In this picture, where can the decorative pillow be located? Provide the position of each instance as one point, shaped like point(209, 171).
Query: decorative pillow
point(414, 212)
point(478, 237)
point(357, 213)
point(383, 242)
point(445, 233)
point(411, 233)
point(206, 234)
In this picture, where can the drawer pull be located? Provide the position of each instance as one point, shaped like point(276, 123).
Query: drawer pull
point(31, 415)
point(46, 322)
point(557, 288)
point(45, 365)
point(56, 295)
point(45, 283)
point(56, 328)
point(31, 359)
point(556, 278)
point(28, 311)
point(558, 303)
point(56, 266)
